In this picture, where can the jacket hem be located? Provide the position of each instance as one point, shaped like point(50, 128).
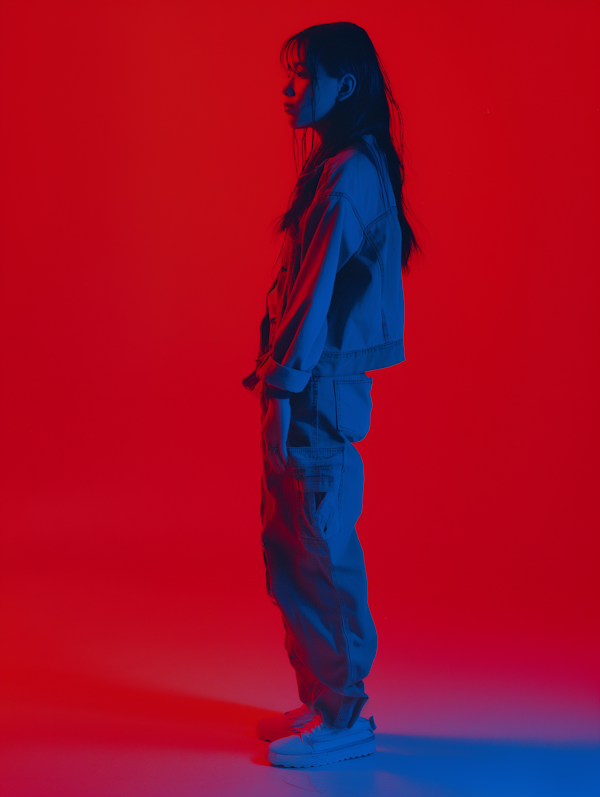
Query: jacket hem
point(360, 360)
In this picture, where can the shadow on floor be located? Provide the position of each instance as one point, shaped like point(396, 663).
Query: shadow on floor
point(411, 765)
point(69, 705)
point(74, 710)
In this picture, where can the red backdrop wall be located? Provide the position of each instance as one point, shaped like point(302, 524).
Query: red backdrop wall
point(144, 155)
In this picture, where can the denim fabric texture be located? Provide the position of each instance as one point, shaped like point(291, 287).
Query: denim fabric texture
point(314, 562)
point(336, 306)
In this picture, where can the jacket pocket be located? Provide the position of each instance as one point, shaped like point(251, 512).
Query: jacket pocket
point(317, 474)
point(353, 406)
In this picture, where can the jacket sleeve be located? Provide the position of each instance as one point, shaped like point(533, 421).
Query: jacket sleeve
point(332, 234)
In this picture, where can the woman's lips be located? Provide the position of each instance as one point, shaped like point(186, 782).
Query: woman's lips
point(288, 108)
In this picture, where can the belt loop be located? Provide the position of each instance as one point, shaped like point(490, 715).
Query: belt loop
point(315, 409)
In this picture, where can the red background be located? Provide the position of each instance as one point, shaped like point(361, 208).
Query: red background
point(144, 155)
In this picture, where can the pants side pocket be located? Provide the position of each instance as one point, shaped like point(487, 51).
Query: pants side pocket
point(317, 474)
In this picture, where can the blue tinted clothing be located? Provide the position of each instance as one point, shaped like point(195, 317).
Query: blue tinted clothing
point(314, 561)
point(334, 311)
point(337, 304)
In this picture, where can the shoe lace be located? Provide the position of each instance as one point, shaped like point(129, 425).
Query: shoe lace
point(312, 726)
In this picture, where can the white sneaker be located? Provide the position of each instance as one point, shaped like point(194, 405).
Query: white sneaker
point(286, 724)
point(319, 744)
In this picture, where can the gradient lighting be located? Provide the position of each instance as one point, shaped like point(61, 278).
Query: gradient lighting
point(144, 154)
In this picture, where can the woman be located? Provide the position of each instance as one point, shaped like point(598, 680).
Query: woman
point(335, 310)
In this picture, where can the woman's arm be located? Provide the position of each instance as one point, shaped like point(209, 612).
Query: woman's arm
point(275, 428)
point(332, 234)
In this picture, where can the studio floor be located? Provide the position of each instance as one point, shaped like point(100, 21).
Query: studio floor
point(73, 737)
point(121, 686)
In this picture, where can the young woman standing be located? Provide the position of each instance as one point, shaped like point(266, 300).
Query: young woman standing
point(335, 311)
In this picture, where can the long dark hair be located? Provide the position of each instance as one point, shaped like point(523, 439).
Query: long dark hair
point(340, 48)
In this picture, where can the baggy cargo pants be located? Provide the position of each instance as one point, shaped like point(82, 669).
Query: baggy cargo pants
point(314, 561)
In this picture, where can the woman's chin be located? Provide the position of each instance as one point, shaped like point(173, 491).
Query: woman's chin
point(294, 124)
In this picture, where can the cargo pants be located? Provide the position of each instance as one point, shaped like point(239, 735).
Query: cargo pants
point(314, 561)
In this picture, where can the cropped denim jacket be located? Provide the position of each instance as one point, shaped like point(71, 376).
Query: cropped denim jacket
point(339, 306)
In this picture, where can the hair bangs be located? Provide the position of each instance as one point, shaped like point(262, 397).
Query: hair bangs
point(340, 48)
point(290, 53)
point(301, 50)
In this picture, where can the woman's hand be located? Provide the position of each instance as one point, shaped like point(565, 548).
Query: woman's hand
point(275, 428)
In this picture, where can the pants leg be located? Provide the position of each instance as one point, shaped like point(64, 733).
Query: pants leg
point(314, 561)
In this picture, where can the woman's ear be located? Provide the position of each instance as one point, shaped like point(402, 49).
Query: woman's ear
point(347, 86)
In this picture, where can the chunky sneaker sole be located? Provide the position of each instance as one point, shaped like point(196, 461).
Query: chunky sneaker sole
point(324, 745)
point(288, 724)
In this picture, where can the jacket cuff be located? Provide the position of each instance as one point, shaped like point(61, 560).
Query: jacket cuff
point(282, 377)
point(276, 392)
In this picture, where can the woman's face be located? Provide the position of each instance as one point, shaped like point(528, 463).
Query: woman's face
point(298, 95)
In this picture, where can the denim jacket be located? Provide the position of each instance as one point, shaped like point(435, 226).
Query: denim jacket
point(339, 306)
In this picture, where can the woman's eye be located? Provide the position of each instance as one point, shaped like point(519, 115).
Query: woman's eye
point(303, 75)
